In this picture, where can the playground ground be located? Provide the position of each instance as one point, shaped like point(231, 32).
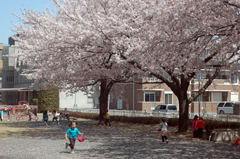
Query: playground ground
point(33, 140)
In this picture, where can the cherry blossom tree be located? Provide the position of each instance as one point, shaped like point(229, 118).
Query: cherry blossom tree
point(85, 39)
point(58, 51)
point(188, 38)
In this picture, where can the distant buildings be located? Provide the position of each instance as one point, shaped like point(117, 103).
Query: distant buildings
point(16, 87)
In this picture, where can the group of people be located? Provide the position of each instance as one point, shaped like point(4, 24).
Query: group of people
point(65, 114)
point(199, 125)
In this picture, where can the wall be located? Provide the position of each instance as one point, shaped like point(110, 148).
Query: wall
point(69, 101)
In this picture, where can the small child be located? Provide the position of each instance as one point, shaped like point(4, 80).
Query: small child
point(200, 126)
point(209, 128)
point(35, 111)
point(5, 109)
point(73, 131)
point(45, 118)
point(55, 116)
point(164, 126)
point(107, 118)
point(8, 113)
point(1, 114)
point(27, 107)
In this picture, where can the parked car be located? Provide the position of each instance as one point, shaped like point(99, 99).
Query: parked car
point(166, 110)
point(225, 108)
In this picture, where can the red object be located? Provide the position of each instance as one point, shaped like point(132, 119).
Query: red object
point(80, 139)
point(237, 142)
point(159, 129)
point(106, 110)
point(9, 108)
point(201, 124)
point(166, 111)
point(35, 108)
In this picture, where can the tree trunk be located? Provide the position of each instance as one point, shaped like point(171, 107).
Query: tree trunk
point(183, 115)
point(103, 100)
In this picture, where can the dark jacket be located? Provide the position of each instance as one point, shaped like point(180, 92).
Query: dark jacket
point(209, 127)
point(35, 112)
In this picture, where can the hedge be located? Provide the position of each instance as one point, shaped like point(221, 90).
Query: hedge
point(48, 99)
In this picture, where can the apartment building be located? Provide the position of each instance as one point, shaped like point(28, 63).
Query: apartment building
point(147, 96)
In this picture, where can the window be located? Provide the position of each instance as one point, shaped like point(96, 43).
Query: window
point(229, 105)
point(120, 104)
point(217, 96)
point(152, 105)
point(206, 97)
point(172, 108)
point(89, 99)
point(163, 107)
point(151, 78)
point(220, 104)
point(188, 95)
point(234, 79)
point(168, 99)
point(224, 96)
point(149, 97)
point(158, 107)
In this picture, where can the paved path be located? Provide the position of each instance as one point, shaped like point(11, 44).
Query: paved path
point(34, 140)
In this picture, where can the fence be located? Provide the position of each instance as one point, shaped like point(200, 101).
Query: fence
point(16, 106)
point(135, 113)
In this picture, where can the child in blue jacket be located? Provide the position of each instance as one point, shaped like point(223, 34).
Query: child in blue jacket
point(73, 131)
point(1, 114)
point(45, 118)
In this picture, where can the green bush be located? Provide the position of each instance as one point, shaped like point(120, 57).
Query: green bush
point(34, 101)
point(48, 99)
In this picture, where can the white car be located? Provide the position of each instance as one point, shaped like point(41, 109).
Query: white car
point(166, 110)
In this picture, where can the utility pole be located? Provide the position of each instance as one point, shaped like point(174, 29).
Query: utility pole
point(199, 96)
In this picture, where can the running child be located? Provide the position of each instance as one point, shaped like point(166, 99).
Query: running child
point(45, 118)
point(55, 117)
point(164, 126)
point(72, 131)
point(35, 111)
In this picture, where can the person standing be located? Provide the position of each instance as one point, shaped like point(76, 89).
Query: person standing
point(200, 127)
point(66, 114)
point(8, 113)
point(28, 111)
point(5, 109)
point(163, 125)
point(107, 118)
point(194, 126)
point(1, 114)
point(209, 128)
point(72, 131)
